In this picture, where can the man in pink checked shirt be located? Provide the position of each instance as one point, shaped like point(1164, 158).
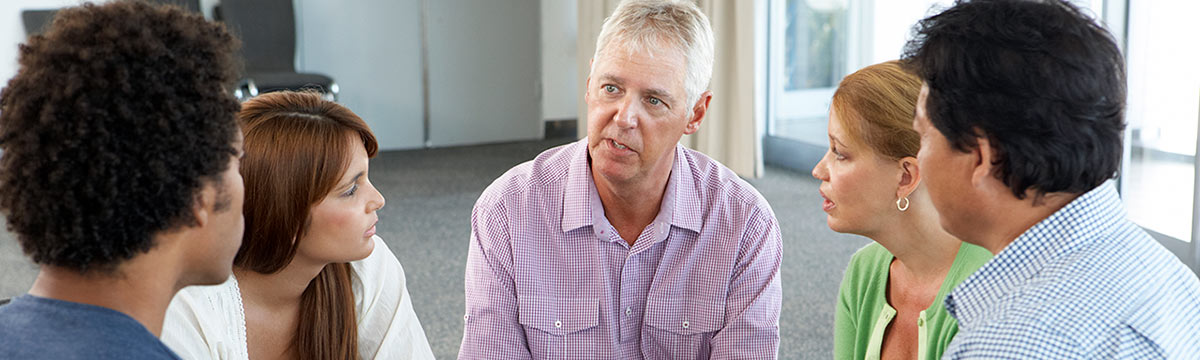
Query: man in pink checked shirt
point(626, 245)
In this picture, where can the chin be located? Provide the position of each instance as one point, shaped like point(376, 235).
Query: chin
point(366, 250)
point(840, 226)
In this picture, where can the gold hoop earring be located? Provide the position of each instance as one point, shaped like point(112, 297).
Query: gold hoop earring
point(902, 208)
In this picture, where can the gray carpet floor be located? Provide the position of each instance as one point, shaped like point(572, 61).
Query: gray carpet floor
point(426, 223)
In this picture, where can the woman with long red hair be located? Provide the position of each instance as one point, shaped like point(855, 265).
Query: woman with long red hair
point(311, 279)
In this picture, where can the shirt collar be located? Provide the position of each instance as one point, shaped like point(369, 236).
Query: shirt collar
point(581, 202)
point(1079, 223)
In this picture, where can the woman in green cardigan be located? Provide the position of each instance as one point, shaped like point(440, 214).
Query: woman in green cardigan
point(890, 302)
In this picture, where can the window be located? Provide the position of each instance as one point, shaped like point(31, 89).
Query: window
point(1158, 179)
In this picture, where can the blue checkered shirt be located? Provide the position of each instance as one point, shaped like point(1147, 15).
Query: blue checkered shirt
point(1085, 283)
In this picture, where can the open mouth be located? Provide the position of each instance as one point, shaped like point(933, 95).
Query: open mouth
point(618, 145)
point(826, 204)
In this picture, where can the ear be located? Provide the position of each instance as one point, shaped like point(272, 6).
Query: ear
point(698, 112)
point(910, 177)
point(587, 83)
point(983, 155)
point(203, 205)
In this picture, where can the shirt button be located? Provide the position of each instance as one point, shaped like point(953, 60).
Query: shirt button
point(557, 324)
point(467, 317)
point(628, 310)
point(920, 322)
point(685, 324)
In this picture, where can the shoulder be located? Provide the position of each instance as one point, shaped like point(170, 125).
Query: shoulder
point(204, 300)
point(871, 255)
point(381, 268)
point(969, 259)
point(1119, 268)
point(1009, 339)
point(868, 262)
point(39, 328)
point(717, 182)
point(545, 172)
point(200, 317)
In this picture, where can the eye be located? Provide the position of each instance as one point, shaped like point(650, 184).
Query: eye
point(349, 193)
point(836, 154)
point(610, 89)
point(654, 101)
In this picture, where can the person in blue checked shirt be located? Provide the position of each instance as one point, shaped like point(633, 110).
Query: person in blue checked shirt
point(1021, 118)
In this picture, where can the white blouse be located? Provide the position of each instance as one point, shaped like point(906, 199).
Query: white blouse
point(209, 322)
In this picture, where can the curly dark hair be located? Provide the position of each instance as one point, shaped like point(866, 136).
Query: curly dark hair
point(1040, 79)
point(118, 116)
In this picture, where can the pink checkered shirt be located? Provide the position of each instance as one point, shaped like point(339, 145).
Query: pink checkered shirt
point(549, 278)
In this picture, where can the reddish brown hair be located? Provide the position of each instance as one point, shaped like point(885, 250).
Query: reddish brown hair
point(876, 105)
point(296, 148)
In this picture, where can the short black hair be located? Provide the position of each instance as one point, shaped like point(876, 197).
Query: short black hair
point(1041, 80)
point(118, 116)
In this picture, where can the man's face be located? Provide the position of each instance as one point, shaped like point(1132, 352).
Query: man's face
point(637, 111)
point(222, 235)
point(945, 171)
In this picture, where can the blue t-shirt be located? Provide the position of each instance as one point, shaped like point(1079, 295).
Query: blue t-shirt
point(34, 327)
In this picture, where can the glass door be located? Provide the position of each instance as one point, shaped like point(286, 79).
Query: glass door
point(1158, 182)
point(812, 45)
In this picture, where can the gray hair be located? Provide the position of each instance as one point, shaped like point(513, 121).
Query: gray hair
point(643, 25)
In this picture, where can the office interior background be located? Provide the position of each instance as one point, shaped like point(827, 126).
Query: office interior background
point(458, 91)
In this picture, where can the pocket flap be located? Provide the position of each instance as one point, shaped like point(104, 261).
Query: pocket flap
point(685, 316)
point(558, 316)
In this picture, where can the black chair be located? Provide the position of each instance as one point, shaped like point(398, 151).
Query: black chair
point(189, 5)
point(36, 21)
point(267, 29)
point(4, 301)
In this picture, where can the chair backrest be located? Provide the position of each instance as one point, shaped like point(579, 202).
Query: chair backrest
point(267, 29)
point(36, 21)
point(189, 5)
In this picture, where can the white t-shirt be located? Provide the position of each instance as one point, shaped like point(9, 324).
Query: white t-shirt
point(209, 322)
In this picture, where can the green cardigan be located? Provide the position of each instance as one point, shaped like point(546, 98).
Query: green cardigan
point(863, 312)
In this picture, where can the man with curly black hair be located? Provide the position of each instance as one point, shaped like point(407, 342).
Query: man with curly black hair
point(119, 177)
point(1020, 118)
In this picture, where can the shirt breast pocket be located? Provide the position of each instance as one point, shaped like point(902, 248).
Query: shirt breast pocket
point(556, 327)
point(681, 328)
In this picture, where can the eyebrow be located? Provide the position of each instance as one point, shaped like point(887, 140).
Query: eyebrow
point(836, 140)
point(609, 78)
point(352, 181)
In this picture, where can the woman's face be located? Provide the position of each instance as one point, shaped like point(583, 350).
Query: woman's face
point(858, 185)
point(340, 227)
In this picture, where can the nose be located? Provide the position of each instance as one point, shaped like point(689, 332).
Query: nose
point(627, 116)
point(376, 201)
point(820, 171)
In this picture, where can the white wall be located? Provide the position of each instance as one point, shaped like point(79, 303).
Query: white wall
point(12, 30)
point(483, 71)
point(372, 49)
point(561, 90)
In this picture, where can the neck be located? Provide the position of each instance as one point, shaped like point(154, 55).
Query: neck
point(281, 289)
point(635, 203)
point(1012, 218)
point(920, 245)
point(142, 294)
